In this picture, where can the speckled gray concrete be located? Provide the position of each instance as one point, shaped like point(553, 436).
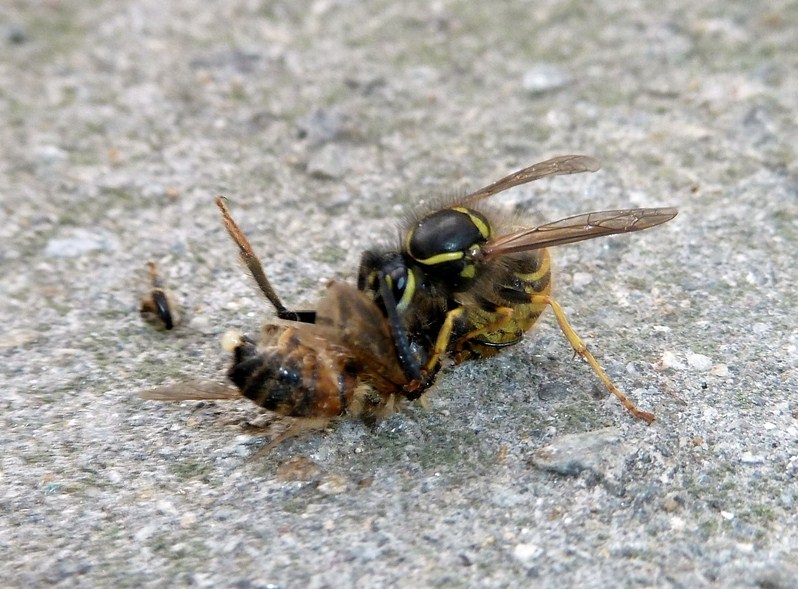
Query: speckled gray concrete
point(323, 121)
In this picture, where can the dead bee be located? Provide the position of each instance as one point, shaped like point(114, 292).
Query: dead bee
point(158, 306)
point(464, 289)
point(313, 365)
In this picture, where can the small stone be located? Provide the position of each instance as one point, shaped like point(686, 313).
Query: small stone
point(14, 34)
point(544, 77)
point(748, 458)
point(671, 503)
point(81, 241)
point(49, 154)
point(699, 362)
point(582, 279)
point(720, 370)
point(571, 454)
point(329, 163)
point(166, 507)
point(298, 468)
point(527, 553)
point(18, 338)
point(669, 360)
point(320, 126)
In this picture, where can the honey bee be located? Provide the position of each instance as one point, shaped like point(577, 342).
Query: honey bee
point(339, 359)
point(158, 306)
point(465, 289)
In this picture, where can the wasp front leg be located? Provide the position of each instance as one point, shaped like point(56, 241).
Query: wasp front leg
point(581, 349)
point(444, 344)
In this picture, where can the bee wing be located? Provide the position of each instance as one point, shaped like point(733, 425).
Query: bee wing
point(577, 228)
point(558, 166)
point(351, 319)
point(198, 390)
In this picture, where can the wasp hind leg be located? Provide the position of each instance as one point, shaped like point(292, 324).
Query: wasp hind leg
point(581, 349)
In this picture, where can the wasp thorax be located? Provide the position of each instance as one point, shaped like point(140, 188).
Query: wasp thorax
point(444, 241)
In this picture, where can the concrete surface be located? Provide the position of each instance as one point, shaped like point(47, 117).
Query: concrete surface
point(324, 122)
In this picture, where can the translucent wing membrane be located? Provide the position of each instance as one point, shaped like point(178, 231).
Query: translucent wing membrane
point(558, 166)
point(577, 228)
point(197, 390)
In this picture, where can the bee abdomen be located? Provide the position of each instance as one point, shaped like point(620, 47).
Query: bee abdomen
point(291, 378)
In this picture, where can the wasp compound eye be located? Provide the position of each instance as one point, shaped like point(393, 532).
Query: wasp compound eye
point(441, 241)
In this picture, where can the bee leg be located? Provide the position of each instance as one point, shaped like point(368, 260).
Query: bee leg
point(297, 428)
point(255, 268)
point(581, 349)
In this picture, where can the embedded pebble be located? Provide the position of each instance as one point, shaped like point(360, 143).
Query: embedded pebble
point(544, 77)
point(720, 370)
point(81, 241)
point(569, 455)
point(699, 362)
point(329, 163)
point(582, 279)
point(527, 553)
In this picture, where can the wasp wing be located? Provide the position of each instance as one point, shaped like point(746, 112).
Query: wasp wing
point(577, 228)
point(196, 390)
point(558, 166)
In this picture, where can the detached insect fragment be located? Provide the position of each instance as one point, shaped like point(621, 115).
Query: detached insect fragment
point(459, 286)
point(158, 307)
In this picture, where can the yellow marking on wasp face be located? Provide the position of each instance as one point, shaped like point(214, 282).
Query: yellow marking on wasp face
point(441, 258)
point(482, 227)
point(469, 271)
point(408, 293)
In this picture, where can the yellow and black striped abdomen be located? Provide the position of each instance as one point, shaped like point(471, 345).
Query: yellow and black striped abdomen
point(532, 277)
point(501, 319)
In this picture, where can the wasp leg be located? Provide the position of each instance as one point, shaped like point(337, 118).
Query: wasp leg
point(443, 341)
point(503, 315)
point(410, 366)
point(581, 349)
point(252, 262)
